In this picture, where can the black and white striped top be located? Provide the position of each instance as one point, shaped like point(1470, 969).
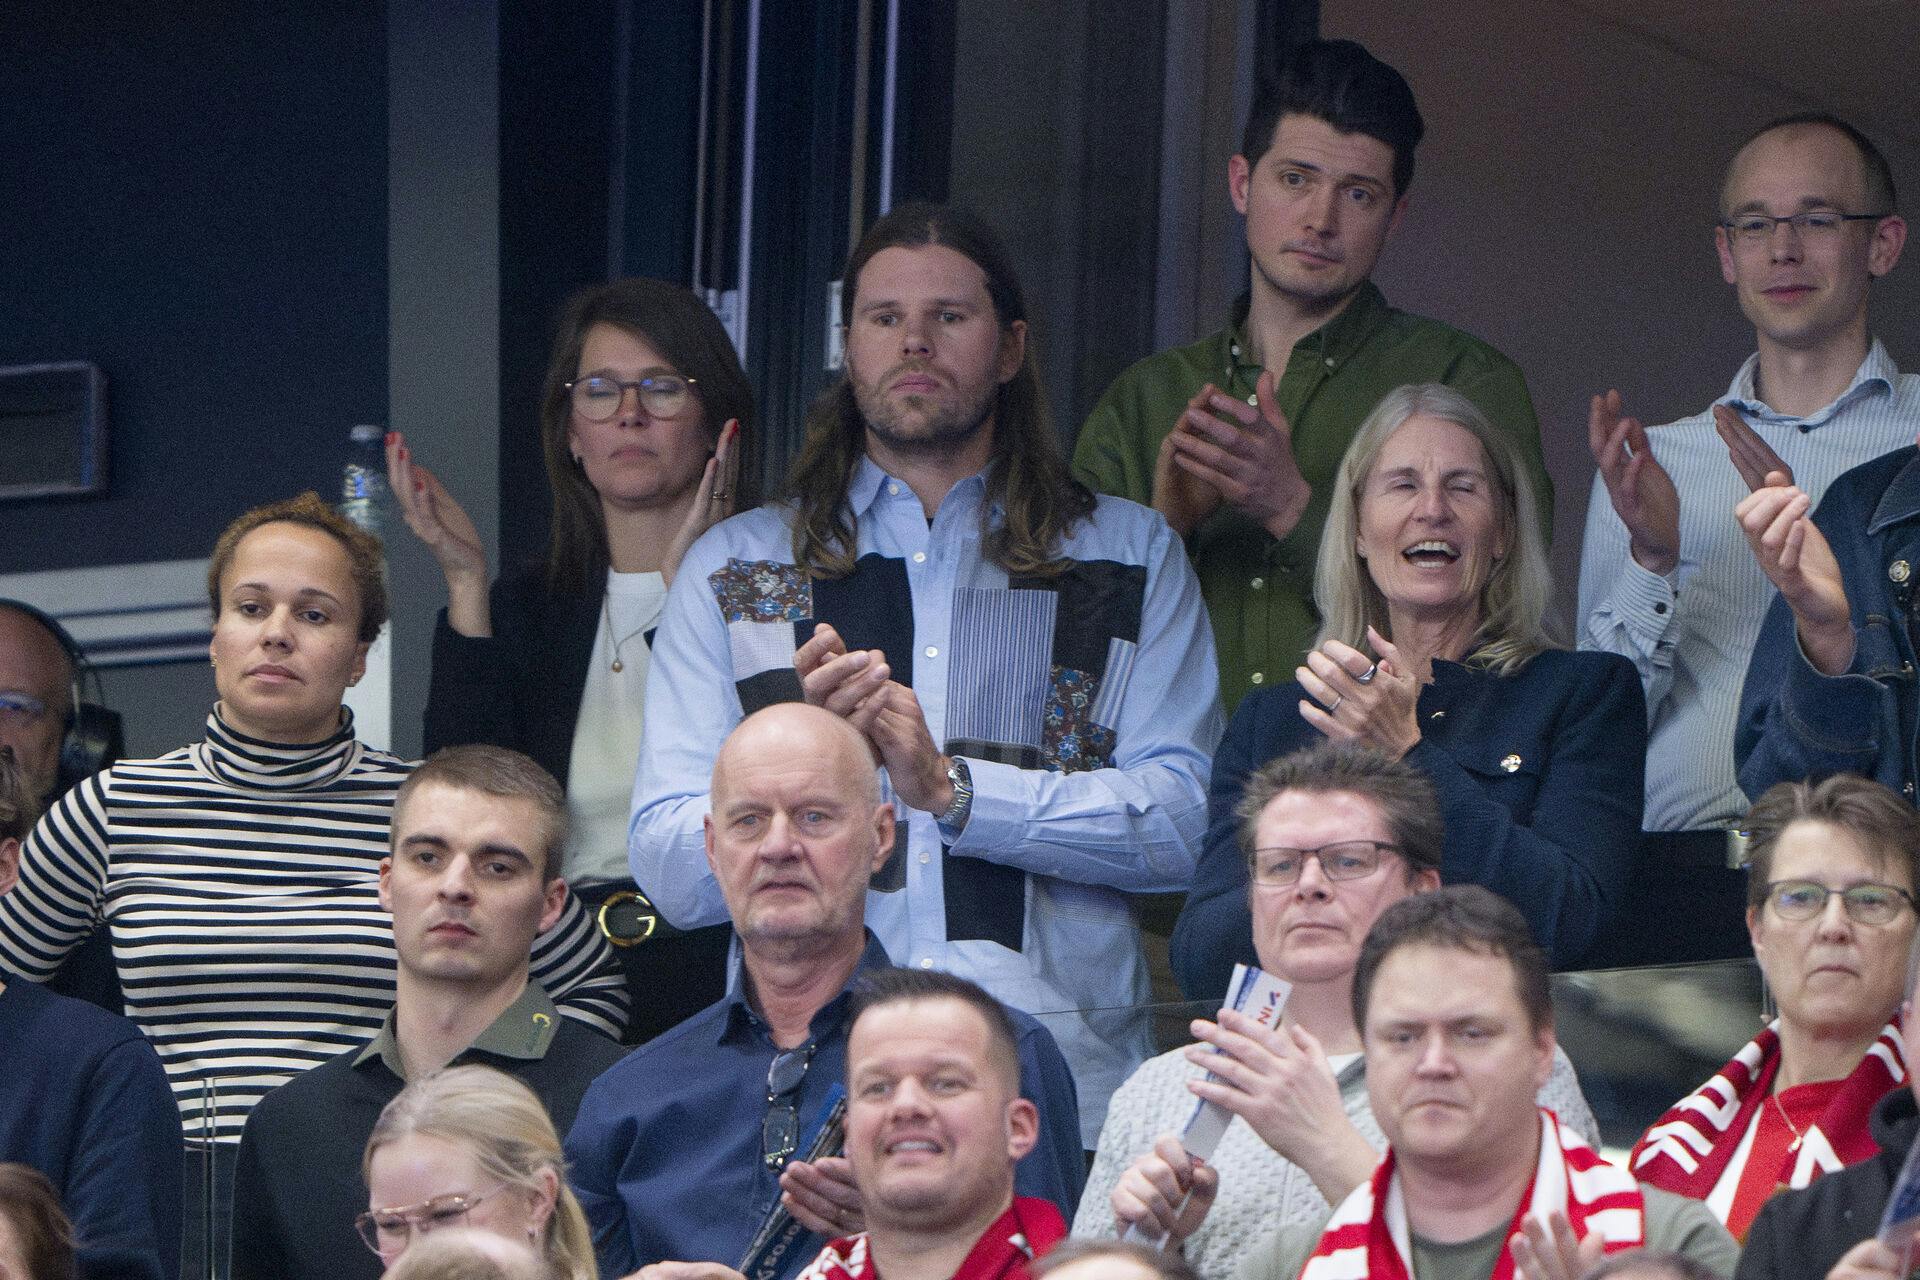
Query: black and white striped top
point(240, 883)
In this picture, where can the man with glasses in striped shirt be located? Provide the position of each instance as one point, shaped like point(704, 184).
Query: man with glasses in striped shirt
point(686, 1147)
point(1806, 224)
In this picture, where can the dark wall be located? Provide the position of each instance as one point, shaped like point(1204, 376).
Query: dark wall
point(196, 200)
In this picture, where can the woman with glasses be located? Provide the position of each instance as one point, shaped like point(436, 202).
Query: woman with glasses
point(471, 1146)
point(1432, 584)
point(646, 425)
point(1831, 913)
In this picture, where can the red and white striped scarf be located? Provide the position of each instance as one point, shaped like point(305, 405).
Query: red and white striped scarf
point(1687, 1149)
point(1026, 1230)
point(1368, 1239)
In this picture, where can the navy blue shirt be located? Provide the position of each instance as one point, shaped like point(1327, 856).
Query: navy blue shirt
point(84, 1100)
point(665, 1153)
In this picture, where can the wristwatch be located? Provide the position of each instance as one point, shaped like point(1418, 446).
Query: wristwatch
point(962, 779)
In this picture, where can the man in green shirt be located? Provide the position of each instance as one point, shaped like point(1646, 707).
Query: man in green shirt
point(1235, 438)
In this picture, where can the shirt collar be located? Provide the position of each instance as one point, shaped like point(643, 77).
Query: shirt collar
point(1875, 375)
point(870, 482)
point(524, 1030)
point(1900, 502)
point(1335, 340)
point(741, 1016)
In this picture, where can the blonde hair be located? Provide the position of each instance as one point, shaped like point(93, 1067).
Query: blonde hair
point(511, 1137)
point(1514, 601)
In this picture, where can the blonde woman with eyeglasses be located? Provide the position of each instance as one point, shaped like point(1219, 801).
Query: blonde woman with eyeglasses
point(471, 1146)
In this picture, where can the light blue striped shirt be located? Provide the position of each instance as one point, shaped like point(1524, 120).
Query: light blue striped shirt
point(1691, 633)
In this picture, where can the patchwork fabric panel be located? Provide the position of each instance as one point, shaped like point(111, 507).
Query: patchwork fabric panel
point(1071, 740)
point(1002, 647)
point(1095, 636)
point(761, 591)
point(871, 608)
point(758, 599)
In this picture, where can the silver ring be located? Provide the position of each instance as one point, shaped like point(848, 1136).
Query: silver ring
point(717, 494)
point(1334, 706)
point(1366, 677)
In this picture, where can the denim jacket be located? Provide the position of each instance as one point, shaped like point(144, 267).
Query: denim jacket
point(1796, 723)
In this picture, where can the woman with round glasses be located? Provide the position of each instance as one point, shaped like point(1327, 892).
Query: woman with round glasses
point(646, 424)
point(1432, 584)
point(471, 1146)
point(1831, 914)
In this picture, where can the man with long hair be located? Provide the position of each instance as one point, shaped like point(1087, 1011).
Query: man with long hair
point(1031, 664)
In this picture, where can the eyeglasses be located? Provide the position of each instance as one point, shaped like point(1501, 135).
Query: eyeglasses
point(1818, 224)
point(1865, 903)
point(1343, 860)
point(780, 1131)
point(20, 708)
point(389, 1230)
point(598, 399)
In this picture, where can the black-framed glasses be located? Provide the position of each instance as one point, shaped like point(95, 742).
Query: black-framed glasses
point(388, 1230)
point(780, 1131)
point(1868, 903)
point(1813, 224)
point(1280, 866)
point(597, 399)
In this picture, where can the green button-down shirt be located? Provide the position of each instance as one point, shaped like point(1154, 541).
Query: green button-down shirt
point(524, 1029)
point(1259, 590)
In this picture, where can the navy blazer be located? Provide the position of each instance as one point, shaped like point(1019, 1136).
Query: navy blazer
point(1796, 723)
point(1540, 776)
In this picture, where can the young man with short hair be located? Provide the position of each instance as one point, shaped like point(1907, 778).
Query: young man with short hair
point(473, 879)
point(1806, 224)
point(935, 1125)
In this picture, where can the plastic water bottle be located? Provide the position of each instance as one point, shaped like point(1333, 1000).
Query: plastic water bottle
point(365, 498)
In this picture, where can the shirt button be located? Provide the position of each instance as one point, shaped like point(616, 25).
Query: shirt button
point(1660, 608)
point(932, 651)
point(1258, 677)
point(919, 557)
point(925, 858)
point(1329, 362)
point(894, 490)
point(927, 963)
point(1259, 583)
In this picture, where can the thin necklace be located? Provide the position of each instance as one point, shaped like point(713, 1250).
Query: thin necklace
point(1797, 1135)
point(614, 642)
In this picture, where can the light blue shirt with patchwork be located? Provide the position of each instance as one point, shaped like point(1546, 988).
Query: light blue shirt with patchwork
point(1113, 805)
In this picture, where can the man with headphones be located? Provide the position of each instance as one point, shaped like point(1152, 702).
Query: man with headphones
point(57, 737)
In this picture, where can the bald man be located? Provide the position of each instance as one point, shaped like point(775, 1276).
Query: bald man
point(36, 698)
point(683, 1149)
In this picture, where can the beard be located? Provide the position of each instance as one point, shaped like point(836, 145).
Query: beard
point(921, 423)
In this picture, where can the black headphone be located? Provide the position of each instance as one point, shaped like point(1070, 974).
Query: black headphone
point(94, 737)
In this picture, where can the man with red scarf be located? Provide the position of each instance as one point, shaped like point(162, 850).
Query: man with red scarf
point(1478, 1183)
point(935, 1124)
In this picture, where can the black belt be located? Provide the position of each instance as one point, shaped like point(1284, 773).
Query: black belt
point(1722, 848)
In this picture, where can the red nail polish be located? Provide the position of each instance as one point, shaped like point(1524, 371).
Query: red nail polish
point(391, 435)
